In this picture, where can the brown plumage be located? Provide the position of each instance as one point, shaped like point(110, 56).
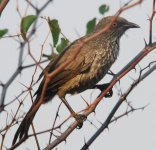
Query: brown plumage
point(90, 66)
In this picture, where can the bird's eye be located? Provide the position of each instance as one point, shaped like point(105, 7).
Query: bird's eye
point(114, 24)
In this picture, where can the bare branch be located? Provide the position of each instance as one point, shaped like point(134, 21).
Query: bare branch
point(116, 107)
point(3, 5)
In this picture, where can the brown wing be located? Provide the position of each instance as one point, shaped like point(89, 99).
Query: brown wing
point(81, 64)
point(52, 65)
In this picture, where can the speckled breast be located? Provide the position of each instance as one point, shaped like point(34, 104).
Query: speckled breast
point(100, 66)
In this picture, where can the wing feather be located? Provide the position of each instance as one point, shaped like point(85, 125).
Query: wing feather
point(81, 64)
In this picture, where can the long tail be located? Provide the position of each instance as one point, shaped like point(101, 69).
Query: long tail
point(22, 131)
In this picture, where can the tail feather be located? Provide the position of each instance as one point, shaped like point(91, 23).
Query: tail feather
point(22, 131)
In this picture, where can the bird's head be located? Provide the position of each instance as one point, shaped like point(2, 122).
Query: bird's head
point(117, 28)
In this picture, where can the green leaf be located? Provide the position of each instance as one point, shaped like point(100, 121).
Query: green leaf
point(3, 32)
point(26, 22)
point(103, 9)
point(91, 25)
point(55, 30)
point(63, 44)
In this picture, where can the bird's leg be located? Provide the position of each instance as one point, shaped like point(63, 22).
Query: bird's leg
point(103, 87)
point(78, 117)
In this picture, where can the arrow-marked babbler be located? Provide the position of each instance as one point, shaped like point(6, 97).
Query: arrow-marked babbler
point(90, 65)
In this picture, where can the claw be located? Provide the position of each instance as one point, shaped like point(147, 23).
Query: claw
point(80, 119)
point(103, 87)
point(109, 94)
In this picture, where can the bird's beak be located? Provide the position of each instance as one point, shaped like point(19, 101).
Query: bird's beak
point(131, 25)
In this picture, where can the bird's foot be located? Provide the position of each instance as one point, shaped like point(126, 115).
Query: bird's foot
point(103, 87)
point(109, 94)
point(80, 119)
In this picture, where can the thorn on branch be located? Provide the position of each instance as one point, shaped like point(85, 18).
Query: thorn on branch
point(111, 73)
point(85, 101)
point(1, 84)
point(145, 42)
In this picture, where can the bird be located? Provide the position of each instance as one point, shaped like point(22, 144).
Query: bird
point(90, 65)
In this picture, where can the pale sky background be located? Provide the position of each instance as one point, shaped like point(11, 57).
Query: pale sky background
point(136, 131)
